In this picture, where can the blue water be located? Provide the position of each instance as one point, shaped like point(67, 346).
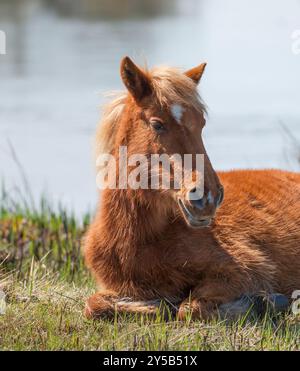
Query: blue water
point(60, 60)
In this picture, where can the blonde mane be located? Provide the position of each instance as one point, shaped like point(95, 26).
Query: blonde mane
point(170, 86)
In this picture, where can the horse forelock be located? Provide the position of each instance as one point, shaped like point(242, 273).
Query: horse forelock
point(170, 86)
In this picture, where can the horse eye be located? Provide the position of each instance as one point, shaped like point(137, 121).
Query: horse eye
point(157, 126)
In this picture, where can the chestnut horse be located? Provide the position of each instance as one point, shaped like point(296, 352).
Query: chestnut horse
point(146, 246)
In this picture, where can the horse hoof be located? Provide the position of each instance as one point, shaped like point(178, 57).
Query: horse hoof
point(237, 308)
point(259, 305)
point(274, 303)
point(87, 312)
point(98, 306)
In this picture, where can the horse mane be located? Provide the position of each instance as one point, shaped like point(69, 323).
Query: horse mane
point(170, 85)
point(107, 127)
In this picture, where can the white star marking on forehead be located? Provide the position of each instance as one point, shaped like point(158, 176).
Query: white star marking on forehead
point(177, 112)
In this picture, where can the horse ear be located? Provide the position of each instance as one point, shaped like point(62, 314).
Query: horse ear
point(196, 73)
point(135, 80)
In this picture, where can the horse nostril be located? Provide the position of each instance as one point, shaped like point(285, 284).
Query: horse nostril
point(199, 204)
point(220, 196)
point(195, 194)
point(197, 199)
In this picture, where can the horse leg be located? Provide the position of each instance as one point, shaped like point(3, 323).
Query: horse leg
point(100, 304)
point(106, 304)
point(218, 298)
point(207, 298)
point(257, 304)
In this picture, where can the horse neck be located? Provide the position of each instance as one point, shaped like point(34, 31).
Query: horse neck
point(132, 218)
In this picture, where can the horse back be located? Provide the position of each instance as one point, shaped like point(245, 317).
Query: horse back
point(262, 209)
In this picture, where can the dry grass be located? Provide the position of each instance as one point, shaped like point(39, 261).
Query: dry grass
point(43, 276)
point(44, 313)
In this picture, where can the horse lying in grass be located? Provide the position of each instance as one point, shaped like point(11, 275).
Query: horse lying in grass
point(147, 246)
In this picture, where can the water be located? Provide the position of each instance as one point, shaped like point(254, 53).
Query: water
point(62, 55)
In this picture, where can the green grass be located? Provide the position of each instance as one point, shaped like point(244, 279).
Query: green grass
point(46, 283)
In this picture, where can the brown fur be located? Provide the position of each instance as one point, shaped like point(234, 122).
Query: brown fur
point(140, 246)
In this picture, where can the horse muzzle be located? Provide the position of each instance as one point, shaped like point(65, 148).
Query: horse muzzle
point(198, 212)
